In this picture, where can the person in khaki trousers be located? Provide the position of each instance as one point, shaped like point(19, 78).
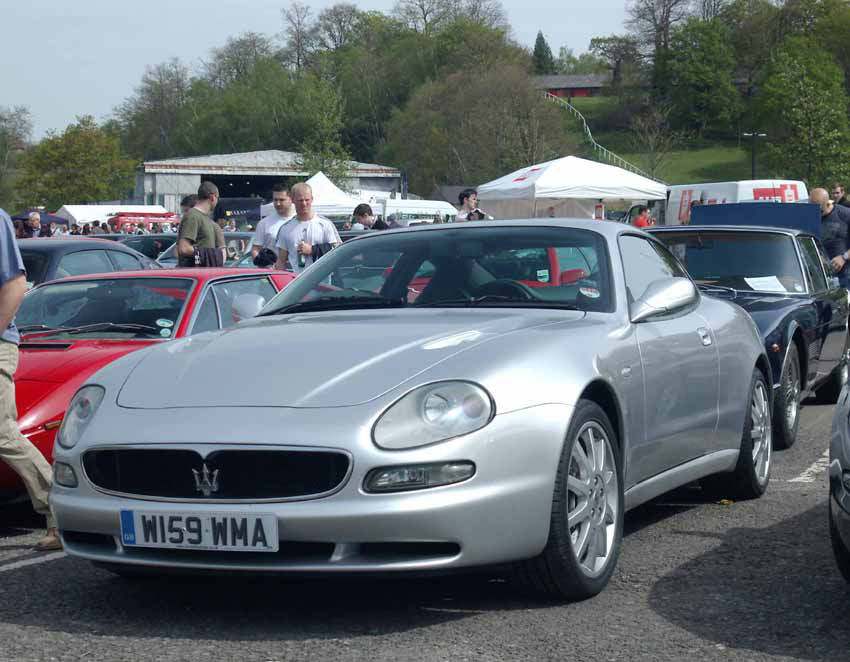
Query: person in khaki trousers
point(15, 449)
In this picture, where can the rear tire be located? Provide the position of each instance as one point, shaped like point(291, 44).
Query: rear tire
point(750, 478)
point(786, 409)
point(586, 522)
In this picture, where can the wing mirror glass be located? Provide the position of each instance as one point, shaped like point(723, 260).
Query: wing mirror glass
point(663, 296)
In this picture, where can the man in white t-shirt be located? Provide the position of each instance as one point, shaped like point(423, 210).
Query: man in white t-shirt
point(305, 238)
point(267, 229)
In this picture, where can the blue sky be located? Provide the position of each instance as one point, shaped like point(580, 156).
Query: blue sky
point(64, 59)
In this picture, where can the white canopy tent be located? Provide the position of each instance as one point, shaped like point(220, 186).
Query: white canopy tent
point(328, 198)
point(84, 214)
point(565, 187)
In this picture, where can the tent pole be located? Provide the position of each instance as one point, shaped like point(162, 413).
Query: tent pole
point(534, 210)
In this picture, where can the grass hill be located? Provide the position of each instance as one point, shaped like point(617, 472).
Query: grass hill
point(693, 161)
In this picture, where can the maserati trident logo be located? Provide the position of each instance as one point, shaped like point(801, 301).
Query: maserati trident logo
point(205, 481)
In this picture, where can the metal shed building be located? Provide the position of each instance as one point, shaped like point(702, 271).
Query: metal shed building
point(245, 174)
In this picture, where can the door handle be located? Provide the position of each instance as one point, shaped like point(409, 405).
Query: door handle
point(704, 335)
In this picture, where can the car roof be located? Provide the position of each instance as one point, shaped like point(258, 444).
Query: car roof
point(731, 228)
point(63, 245)
point(200, 274)
point(609, 229)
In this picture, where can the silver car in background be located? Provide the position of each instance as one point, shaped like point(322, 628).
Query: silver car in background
point(433, 398)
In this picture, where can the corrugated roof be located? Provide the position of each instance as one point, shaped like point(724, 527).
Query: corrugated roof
point(571, 81)
point(264, 162)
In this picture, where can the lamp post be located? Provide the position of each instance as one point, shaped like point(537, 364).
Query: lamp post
point(754, 135)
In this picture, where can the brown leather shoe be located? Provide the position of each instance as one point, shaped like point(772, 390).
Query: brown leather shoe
point(50, 542)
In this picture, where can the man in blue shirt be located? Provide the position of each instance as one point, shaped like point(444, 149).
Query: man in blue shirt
point(15, 449)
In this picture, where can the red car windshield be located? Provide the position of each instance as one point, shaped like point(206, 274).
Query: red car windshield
point(119, 307)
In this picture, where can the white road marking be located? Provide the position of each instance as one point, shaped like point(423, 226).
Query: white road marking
point(815, 472)
point(39, 559)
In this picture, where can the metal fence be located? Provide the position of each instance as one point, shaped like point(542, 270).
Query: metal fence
point(604, 154)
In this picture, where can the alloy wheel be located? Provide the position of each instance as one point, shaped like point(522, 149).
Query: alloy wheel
point(761, 432)
point(592, 498)
point(791, 394)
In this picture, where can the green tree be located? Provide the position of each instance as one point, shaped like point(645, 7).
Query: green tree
point(322, 149)
point(585, 63)
point(15, 131)
point(619, 52)
point(702, 66)
point(81, 165)
point(544, 62)
point(804, 100)
point(455, 130)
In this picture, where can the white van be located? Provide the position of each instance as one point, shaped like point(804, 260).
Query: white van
point(681, 198)
point(413, 212)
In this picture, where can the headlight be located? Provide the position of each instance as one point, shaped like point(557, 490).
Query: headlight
point(433, 413)
point(80, 412)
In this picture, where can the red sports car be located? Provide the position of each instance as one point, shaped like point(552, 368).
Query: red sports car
point(71, 328)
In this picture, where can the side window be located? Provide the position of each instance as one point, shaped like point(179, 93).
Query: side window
point(644, 262)
point(226, 293)
point(813, 263)
point(207, 319)
point(125, 261)
point(84, 262)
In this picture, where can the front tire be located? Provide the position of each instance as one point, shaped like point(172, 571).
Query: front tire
point(586, 522)
point(786, 410)
point(751, 475)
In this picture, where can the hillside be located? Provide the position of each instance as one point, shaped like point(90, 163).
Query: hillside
point(694, 161)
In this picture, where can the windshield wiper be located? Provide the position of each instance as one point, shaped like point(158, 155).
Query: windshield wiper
point(99, 326)
point(337, 303)
point(495, 299)
point(34, 327)
point(718, 288)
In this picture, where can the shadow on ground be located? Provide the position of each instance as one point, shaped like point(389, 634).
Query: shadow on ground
point(774, 590)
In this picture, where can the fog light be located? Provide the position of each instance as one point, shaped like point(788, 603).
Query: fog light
point(845, 478)
point(417, 476)
point(64, 474)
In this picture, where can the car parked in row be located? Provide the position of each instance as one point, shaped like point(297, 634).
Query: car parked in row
point(50, 258)
point(71, 328)
point(396, 435)
point(237, 244)
point(783, 280)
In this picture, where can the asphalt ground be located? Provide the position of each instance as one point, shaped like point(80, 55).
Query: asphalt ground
point(696, 580)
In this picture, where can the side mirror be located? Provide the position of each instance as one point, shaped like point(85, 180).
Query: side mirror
point(246, 306)
point(663, 296)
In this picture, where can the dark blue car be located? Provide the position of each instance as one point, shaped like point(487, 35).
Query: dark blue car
point(782, 278)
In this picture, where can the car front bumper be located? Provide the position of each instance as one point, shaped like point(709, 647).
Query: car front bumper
point(500, 514)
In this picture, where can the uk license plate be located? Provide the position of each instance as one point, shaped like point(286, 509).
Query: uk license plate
point(230, 532)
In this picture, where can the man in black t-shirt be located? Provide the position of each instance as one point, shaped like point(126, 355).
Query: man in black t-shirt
point(835, 233)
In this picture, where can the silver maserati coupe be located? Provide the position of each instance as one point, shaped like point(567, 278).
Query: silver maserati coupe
point(428, 399)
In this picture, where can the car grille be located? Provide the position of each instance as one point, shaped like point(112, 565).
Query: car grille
point(241, 474)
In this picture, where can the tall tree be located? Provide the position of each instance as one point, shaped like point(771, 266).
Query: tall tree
point(425, 16)
point(544, 62)
point(702, 66)
point(654, 20)
point(237, 57)
point(447, 134)
point(618, 51)
point(711, 9)
point(322, 148)
point(299, 34)
point(15, 132)
point(486, 13)
point(337, 26)
point(81, 165)
point(803, 95)
point(148, 119)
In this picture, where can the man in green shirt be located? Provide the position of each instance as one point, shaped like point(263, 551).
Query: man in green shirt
point(197, 229)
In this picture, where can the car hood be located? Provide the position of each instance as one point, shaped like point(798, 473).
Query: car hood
point(767, 309)
point(315, 360)
point(56, 368)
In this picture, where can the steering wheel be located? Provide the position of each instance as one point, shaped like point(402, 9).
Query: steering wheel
point(506, 287)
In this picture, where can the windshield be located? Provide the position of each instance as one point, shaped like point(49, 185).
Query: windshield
point(457, 267)
point(754, 261)
point(154, 303)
